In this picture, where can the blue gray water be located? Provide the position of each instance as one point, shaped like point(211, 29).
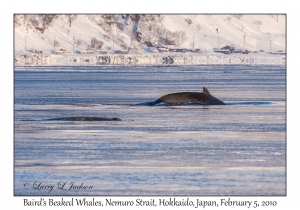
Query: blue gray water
point(237, 149)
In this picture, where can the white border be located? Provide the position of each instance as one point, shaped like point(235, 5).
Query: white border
point(154, 6)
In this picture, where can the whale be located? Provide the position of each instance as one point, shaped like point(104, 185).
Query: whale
point(201, 98)
point(86, 119)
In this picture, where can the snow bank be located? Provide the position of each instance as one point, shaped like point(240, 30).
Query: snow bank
point(147, 59)
point(33, 59)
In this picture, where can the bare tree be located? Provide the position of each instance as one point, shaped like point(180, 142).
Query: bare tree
point(71, 18)
point(93, 42)
point(108, 48)
point(96, 44)
point(106, 37)
point(168, 38)
point(109, 22)
point(258, 23)
point(160, 17)
point(23, 20)
point(176, 37)
point(45, 21)
point(189, 21)
point(34, 22)
point(118, 38)
point(78, 42)
point(17, 20)
point(124, 46)
point(38, 22)
point(150, 28)
point(26, 22)
point(134, 17)
point(198, 27)
point(181, 37)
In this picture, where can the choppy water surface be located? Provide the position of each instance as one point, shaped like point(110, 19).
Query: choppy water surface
point(236, 149)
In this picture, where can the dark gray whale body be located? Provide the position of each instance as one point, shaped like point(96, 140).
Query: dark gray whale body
point(204, 98)
point(87, 119)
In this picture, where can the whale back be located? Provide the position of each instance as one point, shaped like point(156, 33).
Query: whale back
point(204, 98)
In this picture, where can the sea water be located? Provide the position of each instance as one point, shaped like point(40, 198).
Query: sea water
point(235, 149)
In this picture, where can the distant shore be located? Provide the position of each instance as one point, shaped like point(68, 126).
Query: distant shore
point(147, 59)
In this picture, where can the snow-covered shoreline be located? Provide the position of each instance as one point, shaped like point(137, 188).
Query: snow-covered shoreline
point(126, 40)
point(147, 59)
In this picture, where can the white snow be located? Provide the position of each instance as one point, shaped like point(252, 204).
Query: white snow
point(202, 32)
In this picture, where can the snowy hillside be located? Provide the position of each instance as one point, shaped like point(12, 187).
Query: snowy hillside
point(119, 32)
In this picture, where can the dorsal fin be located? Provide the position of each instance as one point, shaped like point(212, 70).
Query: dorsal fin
point(205, 90)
